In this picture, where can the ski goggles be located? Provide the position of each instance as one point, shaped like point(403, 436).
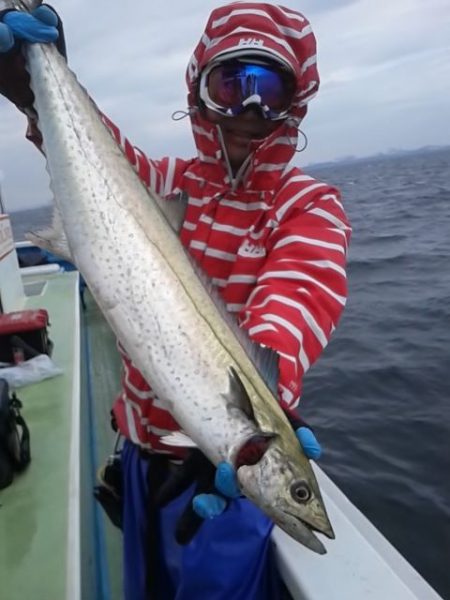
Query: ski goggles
point(230, 87)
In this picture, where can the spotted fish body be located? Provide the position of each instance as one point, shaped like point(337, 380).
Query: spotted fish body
point(150, 293)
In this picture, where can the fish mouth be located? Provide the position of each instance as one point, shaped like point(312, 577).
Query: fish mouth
point(327, 531)
point(307, 536)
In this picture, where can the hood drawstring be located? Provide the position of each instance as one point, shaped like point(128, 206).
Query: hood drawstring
point(239, 176)
point(179, 115)
point(235, 179)
point(295, 122)
point(305, 142)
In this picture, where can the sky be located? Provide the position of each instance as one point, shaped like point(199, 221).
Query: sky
point(384, 68)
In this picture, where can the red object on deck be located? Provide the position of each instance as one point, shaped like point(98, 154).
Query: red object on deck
point(23, 320)
point(23, 335)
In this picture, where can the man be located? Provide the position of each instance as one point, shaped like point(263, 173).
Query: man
point(271, 239)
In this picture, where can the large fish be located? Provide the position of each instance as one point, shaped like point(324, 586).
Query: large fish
point(196, 358)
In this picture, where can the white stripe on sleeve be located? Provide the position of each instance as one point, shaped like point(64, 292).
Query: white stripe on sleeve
point(292, 239)
point(168, 184)
point(309, 319)
point(287, 205)
point(261, 327)
point(327, 264)
point(303, 277)
point(303, 357)
point(329, 217)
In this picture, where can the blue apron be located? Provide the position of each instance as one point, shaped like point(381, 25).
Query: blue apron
point(230, 558)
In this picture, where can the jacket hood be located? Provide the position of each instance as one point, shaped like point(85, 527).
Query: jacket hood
point(257, 29)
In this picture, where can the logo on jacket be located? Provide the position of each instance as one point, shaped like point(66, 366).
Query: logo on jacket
point(251, 42)
point(251, 250)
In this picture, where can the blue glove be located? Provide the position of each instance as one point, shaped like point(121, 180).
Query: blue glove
point(43, 25)
point(309, 443)
point(38, 26)
point(208, 506)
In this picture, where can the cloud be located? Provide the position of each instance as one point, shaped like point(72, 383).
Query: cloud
point(385, 74)
point(384, 67)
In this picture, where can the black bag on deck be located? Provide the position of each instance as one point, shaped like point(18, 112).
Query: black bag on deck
point(14, 436)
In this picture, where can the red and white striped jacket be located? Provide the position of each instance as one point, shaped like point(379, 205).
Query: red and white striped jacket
point(274, 241)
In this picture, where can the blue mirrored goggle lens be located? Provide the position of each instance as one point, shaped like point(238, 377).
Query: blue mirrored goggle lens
point(229, 85)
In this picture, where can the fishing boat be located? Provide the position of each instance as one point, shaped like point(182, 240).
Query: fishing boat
point(55, 541)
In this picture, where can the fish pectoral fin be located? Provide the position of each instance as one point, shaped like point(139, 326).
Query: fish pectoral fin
point(237, 396)
point(178, 439)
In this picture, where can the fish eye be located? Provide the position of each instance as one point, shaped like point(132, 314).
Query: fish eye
point(300, 491)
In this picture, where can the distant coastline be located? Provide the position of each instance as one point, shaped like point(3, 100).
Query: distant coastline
point(392, 153)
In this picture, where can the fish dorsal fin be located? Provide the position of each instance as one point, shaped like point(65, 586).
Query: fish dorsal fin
point(237, 395)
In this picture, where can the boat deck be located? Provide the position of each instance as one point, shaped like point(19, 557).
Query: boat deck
point(36, 509)
point(55, 541)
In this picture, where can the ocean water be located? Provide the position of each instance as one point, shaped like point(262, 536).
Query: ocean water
point(379, 397)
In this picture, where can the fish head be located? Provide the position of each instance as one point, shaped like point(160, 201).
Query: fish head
point(282, 483)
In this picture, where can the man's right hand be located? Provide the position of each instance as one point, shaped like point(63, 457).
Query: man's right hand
point(43, 26)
